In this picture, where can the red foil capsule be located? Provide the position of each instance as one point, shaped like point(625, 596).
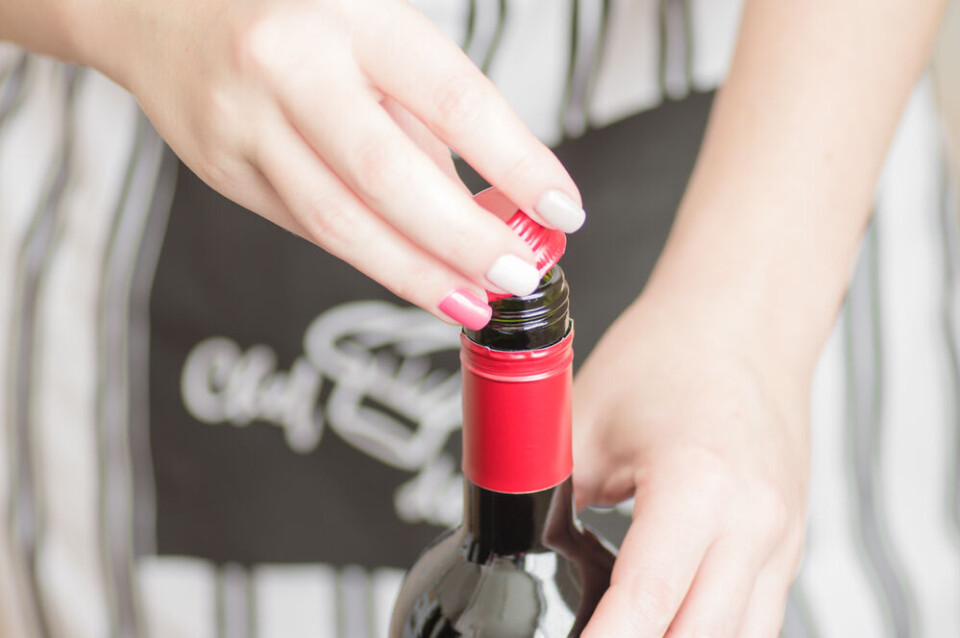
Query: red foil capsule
point(517, 433)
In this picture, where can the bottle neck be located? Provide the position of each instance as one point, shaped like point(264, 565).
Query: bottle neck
point(536, 321)
point(502, 524)
point(517, 389)
point(517, 449)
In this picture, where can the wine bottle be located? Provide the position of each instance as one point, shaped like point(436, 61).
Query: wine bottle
point(521, 565)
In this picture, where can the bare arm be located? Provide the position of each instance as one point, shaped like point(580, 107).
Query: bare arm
point(334, 120)
point(39, 25)
point(783, 186)
point(695, 402)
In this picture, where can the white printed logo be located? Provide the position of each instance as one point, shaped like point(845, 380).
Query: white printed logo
point(385, 397)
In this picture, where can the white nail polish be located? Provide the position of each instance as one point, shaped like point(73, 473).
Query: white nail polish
point(561, 211)
point(514, 275)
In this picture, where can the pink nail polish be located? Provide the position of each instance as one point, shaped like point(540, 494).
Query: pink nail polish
point(466, 308)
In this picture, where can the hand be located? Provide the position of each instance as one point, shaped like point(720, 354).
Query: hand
point(333, 119)
point(713, 446)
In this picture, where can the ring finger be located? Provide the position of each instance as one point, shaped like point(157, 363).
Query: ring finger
point(340, 223)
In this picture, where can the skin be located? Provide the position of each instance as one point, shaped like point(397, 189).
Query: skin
point(332, 119)
point(695, 401)
point(713, 440)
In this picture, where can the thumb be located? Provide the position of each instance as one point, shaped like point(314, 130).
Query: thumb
point(588, 461)
point(603, 475)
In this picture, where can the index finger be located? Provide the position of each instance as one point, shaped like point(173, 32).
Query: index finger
point(655, 567)
point(418, 66)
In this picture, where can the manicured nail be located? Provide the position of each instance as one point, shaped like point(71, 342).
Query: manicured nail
point(561, 211)
point(514, 275)
point(466, 308)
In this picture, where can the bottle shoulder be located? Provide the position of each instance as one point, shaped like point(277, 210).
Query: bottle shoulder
point(550, 591)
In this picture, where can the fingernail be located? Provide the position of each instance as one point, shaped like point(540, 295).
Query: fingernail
point(561, 211)
point(514, 275)
point(466, 308)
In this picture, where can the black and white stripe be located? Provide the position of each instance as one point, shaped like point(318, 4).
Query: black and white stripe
point(485, 23)
point(236, 610)
point(797, 621)
point(950, 211)
point(33, 259)
point(590, 62)
point(588, 27)
point(64, 572)
point(116, 476)
point(917, 434)
point(12, 91)
point(138, 344)
point(675, 42)
point(865, 371)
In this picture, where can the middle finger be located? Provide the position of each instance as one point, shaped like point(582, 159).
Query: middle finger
point(369, 152)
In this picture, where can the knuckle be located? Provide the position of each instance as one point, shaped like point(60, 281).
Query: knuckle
point(256, 42)
point(222, 108)
point(653, 605)
point(522, 170)
point(411, 285)
point(772, 512)
point(211, 167)
point(373, 163)
point(459, 245)
point(715, 482)
point(267, 45)
point(457, 106)
point(330, 223)
point(216, 124)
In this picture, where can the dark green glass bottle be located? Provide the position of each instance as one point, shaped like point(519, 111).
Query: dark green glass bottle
point(521, 565)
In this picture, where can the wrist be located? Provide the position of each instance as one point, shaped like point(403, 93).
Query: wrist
point(764, 271)
point(42, 26)
point(104, 35)
point(739, 310)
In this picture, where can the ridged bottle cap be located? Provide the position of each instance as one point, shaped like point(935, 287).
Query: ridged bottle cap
point(548, 244)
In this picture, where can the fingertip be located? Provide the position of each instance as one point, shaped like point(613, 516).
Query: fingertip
point(555, 208)
point(584, 491)
point(514, 274)
point(560, 211)
point(580, 500)
point(466, 308)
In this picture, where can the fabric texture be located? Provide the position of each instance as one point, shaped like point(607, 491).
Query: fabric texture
point(212, 428)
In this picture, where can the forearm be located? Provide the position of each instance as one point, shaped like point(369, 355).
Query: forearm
point(768, 228)
point(39, 25)
point(102, 34)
